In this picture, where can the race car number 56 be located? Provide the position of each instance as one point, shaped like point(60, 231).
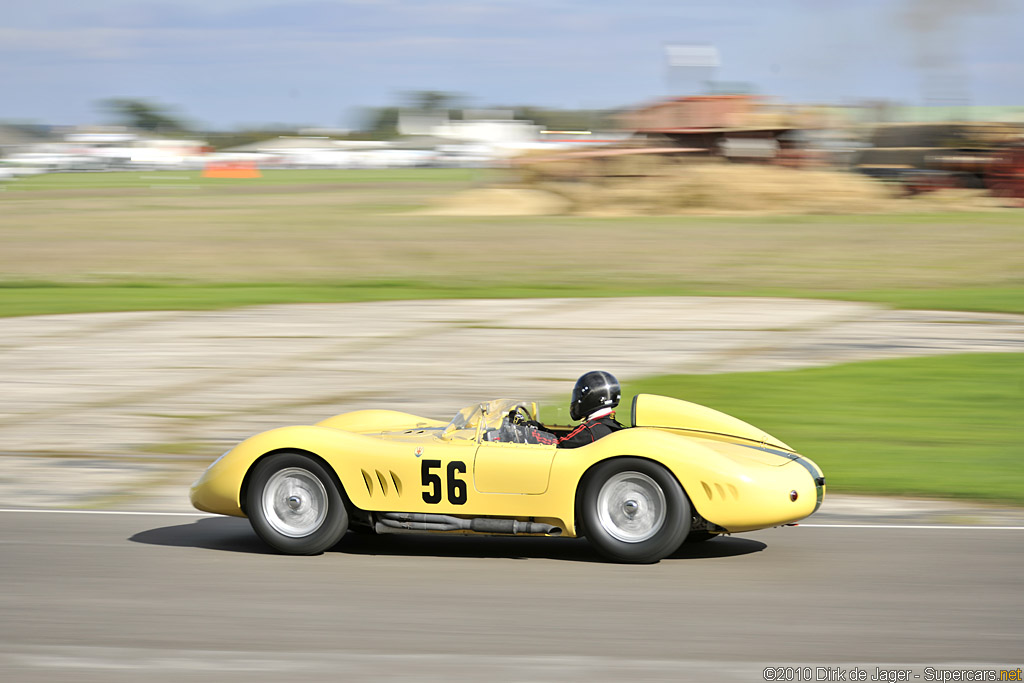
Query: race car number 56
point(433, 485)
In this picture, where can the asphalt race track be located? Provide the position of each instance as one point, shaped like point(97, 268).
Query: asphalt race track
point(132, 597)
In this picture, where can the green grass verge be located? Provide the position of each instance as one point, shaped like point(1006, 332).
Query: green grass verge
point(987, 299)
point(35, 299)
point(40, 298)
point(948, 426)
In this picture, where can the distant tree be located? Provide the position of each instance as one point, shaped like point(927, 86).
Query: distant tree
point(566, 119)
point(379, 123)
point(226, 139)
point(144, 115)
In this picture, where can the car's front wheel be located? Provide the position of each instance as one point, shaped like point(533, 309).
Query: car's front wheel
point(294, 505)
point(634, 510)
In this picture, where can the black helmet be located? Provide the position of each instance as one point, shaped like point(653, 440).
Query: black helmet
point(595, 390)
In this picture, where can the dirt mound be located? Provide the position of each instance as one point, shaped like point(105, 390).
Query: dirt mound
point(651, 186)
point(498, 201)
point(728, 188)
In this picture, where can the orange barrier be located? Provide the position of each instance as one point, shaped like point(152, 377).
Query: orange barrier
point(232, 169)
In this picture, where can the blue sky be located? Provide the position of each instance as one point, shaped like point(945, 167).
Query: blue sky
point(225, 63)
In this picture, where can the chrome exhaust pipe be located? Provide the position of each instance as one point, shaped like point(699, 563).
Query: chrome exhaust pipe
point(398, 522)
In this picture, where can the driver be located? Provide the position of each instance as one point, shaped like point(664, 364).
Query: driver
point(593, 399)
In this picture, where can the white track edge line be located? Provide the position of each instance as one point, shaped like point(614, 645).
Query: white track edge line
point(819, 526)
point(113, 512)
point(914, 526)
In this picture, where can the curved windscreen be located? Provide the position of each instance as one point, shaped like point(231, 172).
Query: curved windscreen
point(491, 413)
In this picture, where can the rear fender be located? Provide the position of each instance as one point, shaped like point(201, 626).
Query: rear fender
point(723, 484)
point(577, 522)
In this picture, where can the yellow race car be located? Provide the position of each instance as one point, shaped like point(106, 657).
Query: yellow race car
point(680, 472)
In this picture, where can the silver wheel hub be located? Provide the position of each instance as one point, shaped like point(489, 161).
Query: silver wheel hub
point(294, 502)
point(631, 507)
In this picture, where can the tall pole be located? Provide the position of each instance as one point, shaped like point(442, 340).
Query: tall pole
point(690, 63)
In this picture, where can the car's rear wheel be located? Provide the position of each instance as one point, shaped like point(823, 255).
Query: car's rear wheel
point(294, 505)
point(634, 510)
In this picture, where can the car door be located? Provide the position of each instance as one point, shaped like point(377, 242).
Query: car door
point(512, 467)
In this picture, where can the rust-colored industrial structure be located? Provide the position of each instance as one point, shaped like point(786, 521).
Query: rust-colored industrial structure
point(754, 129)
point(741, 127)
point(930, 156)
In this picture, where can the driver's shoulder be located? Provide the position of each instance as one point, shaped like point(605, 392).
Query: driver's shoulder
point(612, 424)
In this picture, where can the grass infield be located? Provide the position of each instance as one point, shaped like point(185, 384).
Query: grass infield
point(82, 242)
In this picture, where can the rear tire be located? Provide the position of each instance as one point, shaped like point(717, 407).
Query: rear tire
point(295, 506)
point(634, 510)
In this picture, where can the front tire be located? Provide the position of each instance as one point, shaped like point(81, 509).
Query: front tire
point(294, 505)
point(634, 510)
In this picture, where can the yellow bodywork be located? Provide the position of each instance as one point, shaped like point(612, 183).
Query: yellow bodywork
point(737, 477)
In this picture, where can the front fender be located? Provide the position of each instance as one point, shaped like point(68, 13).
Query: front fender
point(219, 488)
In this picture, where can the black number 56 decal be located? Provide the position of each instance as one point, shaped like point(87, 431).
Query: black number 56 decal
point(433, 484)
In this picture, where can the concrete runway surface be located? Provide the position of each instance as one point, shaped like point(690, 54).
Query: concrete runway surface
point(159, 597)
point(120, 383)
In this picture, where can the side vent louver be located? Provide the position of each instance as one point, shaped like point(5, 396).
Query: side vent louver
point(710, 493)
point(384, 482)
